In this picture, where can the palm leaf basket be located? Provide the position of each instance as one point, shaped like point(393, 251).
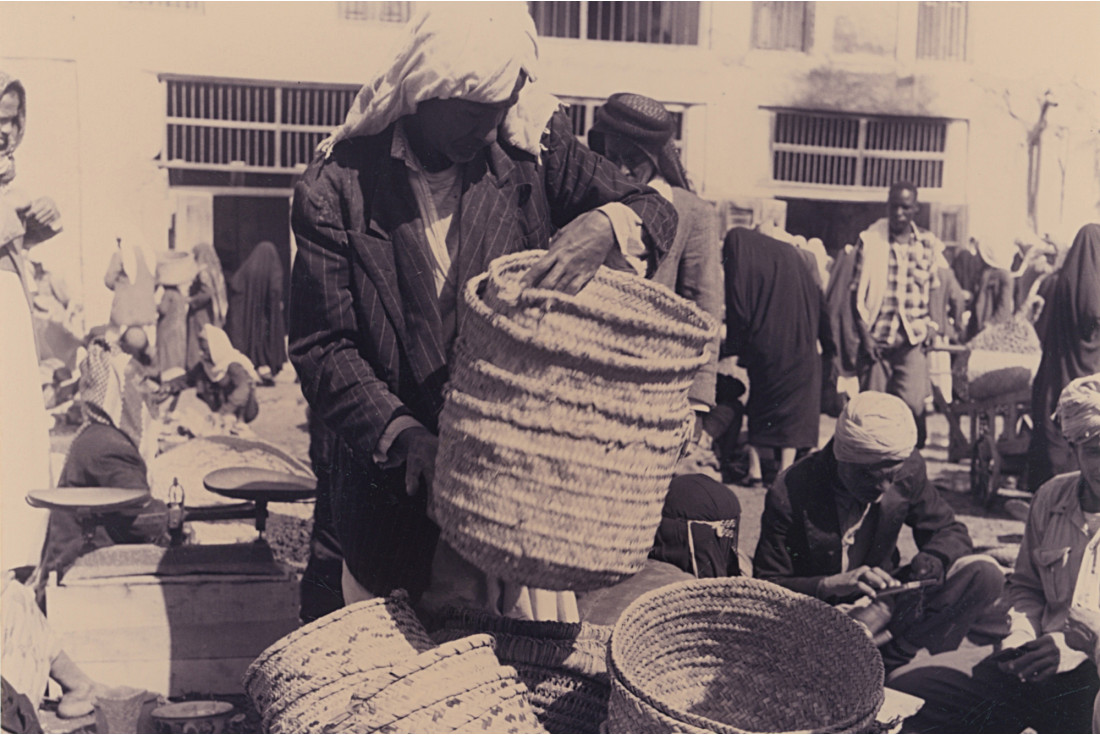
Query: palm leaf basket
point(563, 421)
point(740, 655)
point(307, 677)
point(563, 665)
point(458, 687)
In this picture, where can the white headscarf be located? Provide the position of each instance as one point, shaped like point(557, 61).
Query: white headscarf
point(1079, 409)
point(874, 427)
point(222, 355)
point(470, 51)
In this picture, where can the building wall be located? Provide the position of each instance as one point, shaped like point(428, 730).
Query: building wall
point(96, 113)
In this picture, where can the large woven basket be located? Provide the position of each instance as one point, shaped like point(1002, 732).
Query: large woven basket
point(740, 655)
point(564, 418)
point(458, 687)
point(302, 678)
point(563, 665)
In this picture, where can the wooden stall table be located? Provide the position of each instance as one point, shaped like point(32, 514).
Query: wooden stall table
point(179, 620)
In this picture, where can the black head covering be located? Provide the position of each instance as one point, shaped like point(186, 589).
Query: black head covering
point(699, 527)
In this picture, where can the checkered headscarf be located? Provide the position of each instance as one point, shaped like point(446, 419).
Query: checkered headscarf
point(108, 393)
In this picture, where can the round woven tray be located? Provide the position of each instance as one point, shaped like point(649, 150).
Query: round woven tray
point(309, 666)
point(563, 665)
point(459, 686)
point(740, 655)
point(564, 418)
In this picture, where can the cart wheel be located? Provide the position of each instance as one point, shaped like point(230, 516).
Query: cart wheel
point(985, 471)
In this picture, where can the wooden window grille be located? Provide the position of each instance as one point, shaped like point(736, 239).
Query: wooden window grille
point(383, 12)
point(782, 25)
point(857, 151)
point(249, 126)
point(675, 23)
point(941, 30)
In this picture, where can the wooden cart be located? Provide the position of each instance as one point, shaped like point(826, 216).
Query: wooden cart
point(999, 431)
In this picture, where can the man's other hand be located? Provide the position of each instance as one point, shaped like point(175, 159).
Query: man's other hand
point(861, 580)
point(417, 446)
point(1037, 662)
point(926, 566)
point(43, 211)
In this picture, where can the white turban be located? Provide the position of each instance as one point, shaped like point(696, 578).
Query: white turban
point(470, 51)
point(1079, 409)
point(874, 427)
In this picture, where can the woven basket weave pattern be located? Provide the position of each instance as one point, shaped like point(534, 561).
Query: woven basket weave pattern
point(445, 689)
point(740, 655)
point(303, 667)
point(563, 423)
point(564, 665)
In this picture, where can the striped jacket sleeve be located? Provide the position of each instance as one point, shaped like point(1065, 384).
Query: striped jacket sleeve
point(579, 180)
point(338, 382)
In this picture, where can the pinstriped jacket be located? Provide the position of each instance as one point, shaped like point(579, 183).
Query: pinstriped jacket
point(365, 329)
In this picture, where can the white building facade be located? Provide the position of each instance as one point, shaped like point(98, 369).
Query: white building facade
point(172, 123)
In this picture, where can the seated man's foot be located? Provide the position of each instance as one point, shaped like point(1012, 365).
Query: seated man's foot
point(80, 701)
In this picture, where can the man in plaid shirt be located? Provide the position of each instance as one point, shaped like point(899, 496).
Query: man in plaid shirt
point(893, 279)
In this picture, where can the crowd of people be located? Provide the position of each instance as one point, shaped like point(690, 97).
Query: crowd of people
point(455, 155)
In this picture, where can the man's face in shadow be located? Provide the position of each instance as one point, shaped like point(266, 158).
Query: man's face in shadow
point(902, 206)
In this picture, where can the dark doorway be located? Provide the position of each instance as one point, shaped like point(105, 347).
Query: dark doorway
point(838, 223)
point(241, 223)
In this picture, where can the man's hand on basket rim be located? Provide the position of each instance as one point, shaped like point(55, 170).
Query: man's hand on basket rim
point(575, 254)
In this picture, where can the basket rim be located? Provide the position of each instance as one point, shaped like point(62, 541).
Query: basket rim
point(634, 611)
point(524, 259)
point(398, 596)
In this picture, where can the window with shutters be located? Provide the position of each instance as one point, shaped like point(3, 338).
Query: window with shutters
point(857, 151)
point(941, 31)
point(238, 125)
point(783, 26)
point(384, 12)
point(638, 22)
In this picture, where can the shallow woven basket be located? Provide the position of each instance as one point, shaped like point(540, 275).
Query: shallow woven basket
point(458, 687)
point(300, 676)
point(564, 418)
point(740, 655)
point(563, 665)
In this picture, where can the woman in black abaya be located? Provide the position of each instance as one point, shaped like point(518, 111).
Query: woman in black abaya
point(773, 324)
point(255, 322)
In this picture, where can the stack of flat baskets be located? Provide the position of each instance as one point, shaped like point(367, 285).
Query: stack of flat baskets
point(305, 680)
point(371, 667)
point(564, 419)
point(740, 655)
point(563, 665)
point(458, 687)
